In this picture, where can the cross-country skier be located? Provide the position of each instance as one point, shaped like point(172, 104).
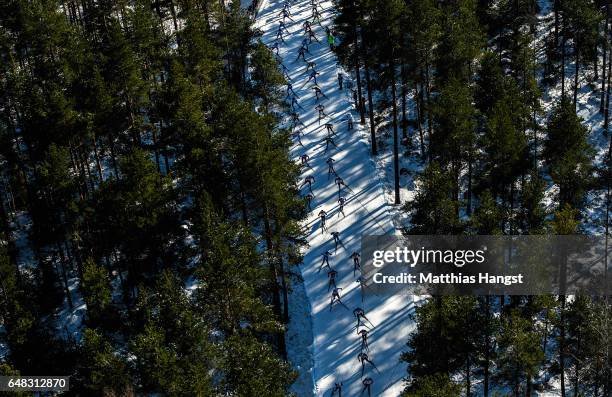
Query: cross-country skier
point(362, 286)
point(330, 129)
point(306, 25)
point(312, 35)
point(330, 166)
point(279, 34)
point(316, 16)
point(301, 54)
point(340, 182)
point(297, 135)
point(359, 315)
point(274, 47)
point(295, 119)
point(321, 109)
point(349, 121)
point(363, 359)
point(281, 25)
point(290, 90)
point(331, 40)
point(336, 237)
point(313, 76)
point(325, 261)
point(308, 199)
point(356, 266)
point(340, 79)
point(364, 340)
point(323, 216)
point(335, 297)
point(367, 386)
point(318, 92)
point(305, 45)
point(337, 389)
point(285, 14)
point(332, 279)
point(310, 65)
point(341, 202)
point(309, 180)
point(295, 103)
point(304, 159)
point(329, 140)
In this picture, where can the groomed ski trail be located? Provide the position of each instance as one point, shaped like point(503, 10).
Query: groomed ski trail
point(335, 342)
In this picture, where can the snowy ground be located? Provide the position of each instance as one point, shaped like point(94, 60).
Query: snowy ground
point(327, 353)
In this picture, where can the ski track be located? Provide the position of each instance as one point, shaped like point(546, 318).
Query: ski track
point(332, 345)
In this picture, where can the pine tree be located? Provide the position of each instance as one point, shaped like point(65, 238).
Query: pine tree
point(567, 154)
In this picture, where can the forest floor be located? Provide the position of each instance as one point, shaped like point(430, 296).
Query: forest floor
point(327, 352)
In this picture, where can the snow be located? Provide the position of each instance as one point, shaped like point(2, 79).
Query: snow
point(332, 355)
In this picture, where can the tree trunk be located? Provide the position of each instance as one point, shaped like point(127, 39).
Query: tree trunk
point(605, 59)
point(358, 75)
point(576, 74)
point(563, 68)
point(395, 137)
point(562, 346)
point(371, 109)
point(282, 348)
point(404, 100)
point(419, 116)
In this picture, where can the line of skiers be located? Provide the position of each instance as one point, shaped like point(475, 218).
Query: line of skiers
point(358, 313)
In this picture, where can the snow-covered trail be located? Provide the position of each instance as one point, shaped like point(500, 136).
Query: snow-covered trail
point(335, 343)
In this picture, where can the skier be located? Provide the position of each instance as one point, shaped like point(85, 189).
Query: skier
point(330, 129)
point(310, 65)
point(332, 279)
point(309, 180)
point(279, 34)
point(301, 54)
point(294, 103)
point(316, 15)
point(312, 35)
point(349, 121)
point(304, 159)
point(340, 182)
point(321, 110)
point(297, 135)
point(274, 47)
point(341, 202)
point(362, 286)
point(313, 76)
point(364, 340)
point(325, 261)
point(281, 25)
point(336, 237)
point(318, 92)
point(290, 90)
point(356, 266)
point(367, 386)
point(306, 26)
point(286, 14)
point(331, 40)
point(323, 216)
point(340, 79)
point(329, 140)
point(335, 297)
point(308, 199)
point(295, 119)
point(337, 388)
point(360, 314)
point(305, 46)
point(363, 358)
point(330, 166)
